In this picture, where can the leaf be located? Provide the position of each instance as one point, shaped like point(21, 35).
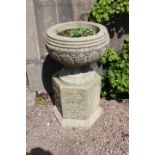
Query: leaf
point(106, 16)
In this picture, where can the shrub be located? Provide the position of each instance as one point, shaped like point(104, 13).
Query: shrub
point(104, 10)
point(115, 76)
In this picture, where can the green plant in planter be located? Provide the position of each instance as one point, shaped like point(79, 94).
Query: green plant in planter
point(81, 31)
point(115, 77)
point(104, 10)
point(77, 32)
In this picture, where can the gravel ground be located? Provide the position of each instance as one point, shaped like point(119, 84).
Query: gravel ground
point(108, 136)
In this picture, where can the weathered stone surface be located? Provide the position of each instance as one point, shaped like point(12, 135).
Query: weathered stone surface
point(45, 13)
point(30, 97)
point(76, 75)
point(82, 9)
point(50, 16)
point(77, 51)
point(34, 72)
point(86, 124)
point(77, 102)
point(45, 16)
point(65, 11)
point(43, 50)
point(47, 2)
point(39, 15)
point(32, 46)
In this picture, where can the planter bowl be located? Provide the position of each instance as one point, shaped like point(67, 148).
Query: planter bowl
point(77, 51)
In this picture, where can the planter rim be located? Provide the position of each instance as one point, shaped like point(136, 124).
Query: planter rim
point(52, 31)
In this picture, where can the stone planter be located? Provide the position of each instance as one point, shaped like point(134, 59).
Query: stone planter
point(77, 87)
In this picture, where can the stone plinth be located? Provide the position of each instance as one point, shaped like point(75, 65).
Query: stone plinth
point(77, 96)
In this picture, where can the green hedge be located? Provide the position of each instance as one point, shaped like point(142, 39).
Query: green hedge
point(104, 10)
point(115, 76)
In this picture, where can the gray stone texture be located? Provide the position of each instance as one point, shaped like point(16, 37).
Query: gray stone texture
point(77, 51)
point(50, 16)
point(30, 97)
point(45, 13)
point(65, 10)
point(77, 101)
point(41, 39)
point(39, 15)
point(32, 46)
point(82, 9)
point(34, 72)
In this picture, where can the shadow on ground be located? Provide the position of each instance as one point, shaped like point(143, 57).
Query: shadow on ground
point(50, 67)
point(39, 151)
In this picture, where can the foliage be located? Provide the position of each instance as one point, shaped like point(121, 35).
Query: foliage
point(115, 79)
point(77, 32)
point(104, 10)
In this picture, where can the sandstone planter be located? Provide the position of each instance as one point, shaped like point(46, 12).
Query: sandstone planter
point(77, 87)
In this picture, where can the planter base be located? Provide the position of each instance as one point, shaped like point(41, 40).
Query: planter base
point(78, 123)
point(77, 96)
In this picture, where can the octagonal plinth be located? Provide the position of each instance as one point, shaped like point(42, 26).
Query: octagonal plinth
point(77, 105)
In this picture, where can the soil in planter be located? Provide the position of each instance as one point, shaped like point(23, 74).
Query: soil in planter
point(77, 32)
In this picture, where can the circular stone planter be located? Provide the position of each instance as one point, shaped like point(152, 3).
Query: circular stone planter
point(77, 87)
point(78, 51)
